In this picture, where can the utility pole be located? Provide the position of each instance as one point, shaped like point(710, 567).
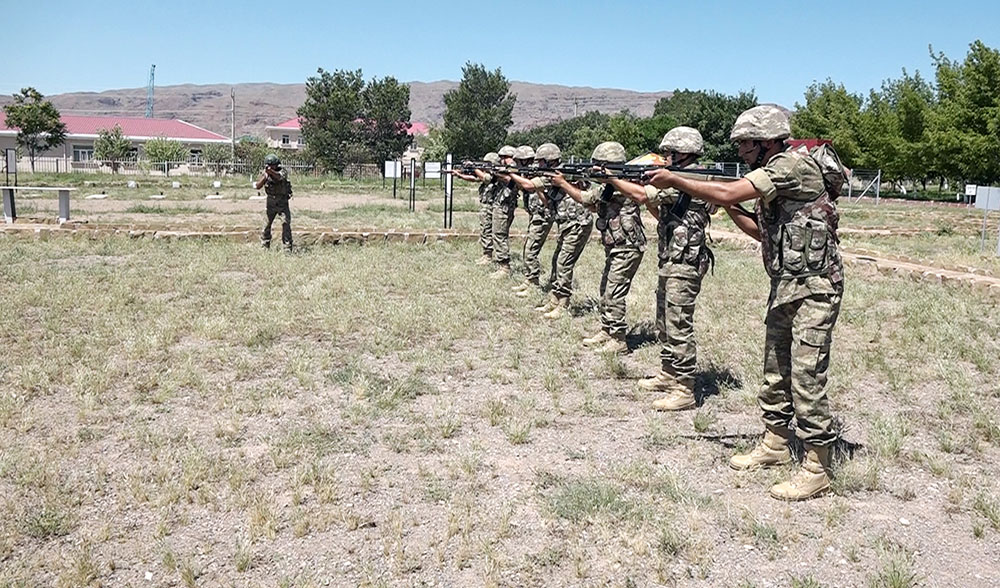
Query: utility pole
point(232, 134)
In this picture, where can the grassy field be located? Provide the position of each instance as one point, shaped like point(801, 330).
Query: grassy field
point(203, 414)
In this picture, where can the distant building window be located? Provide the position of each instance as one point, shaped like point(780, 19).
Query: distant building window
point(194, 156)
point(284, 140)
point(83, 152)
point(302, 141)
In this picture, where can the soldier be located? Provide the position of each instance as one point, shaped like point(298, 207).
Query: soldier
point(504, 204)
point(796, 220)
point(575, 225)
point(275, 182)
point(619, 219)
point(487, 189)
point(683, 258)
point(540, 219)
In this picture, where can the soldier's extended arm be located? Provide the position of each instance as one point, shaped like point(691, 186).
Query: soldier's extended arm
point(725, 193)
point(743, 219)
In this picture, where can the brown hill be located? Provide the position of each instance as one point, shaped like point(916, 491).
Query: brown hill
point(259, 105)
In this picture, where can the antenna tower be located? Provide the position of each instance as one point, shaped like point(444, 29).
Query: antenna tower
point(149, 92)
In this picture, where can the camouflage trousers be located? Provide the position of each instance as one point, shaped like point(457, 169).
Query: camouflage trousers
point(503, 216)
point(573, 237)
point(486, 228)
point(620, 265)
point(796, 361)
point(538, 231)
point(676, 292)
point(277, 208)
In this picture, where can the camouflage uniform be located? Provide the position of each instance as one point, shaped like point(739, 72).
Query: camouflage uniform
point(487, 191)
point(798, 226)
point(504, 203)
point(619, 220)
point(574, 225)
point(540, 222)
point(683, 258)
point(278, 192)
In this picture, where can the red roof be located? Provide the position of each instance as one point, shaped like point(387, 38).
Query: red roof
point(292, 123)
point(171, 128)
point(808, 143)
point(417, 128)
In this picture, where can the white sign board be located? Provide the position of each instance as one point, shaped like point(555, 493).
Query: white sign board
point(11, 164)
point(988, 198)
point(432, 169)
point(970, 189)
point(393, 169)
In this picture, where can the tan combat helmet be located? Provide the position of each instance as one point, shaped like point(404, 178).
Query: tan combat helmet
point(761, 123)
point(524, 152)
point(548, 152)
point(492, 157)
point(609, 152)
point(506, 151)
point(683, 140)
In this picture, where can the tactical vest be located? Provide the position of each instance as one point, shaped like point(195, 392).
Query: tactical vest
point(619, 220)
point(799, 238)
point(487, 191)
point(682, 232)
point(278, 189)
point(506, 195)
point(567, 209)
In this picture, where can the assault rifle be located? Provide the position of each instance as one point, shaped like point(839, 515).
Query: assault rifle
point(635, 172)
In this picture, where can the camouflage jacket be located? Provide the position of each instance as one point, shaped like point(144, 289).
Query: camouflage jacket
point(682, 248)
point(798, 227)
point(487, 190)
point(566, 209)
point(619, 218)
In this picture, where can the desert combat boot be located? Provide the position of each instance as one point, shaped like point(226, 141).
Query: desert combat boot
point(558, 310)
point(550, 303)
point(502, 271)
point(771, 451)
point(679, 397)
point(614, 345)
point(597, 340)
point(661, 382)
point(484, 259)
point(811, 480)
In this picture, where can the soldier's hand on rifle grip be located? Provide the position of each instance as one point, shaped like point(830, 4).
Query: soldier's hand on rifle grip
point(660, 179)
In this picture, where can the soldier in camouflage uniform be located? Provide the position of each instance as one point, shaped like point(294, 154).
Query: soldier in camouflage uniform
point(504, 204)
point(487, 190)
point(619, 219)
point(575, 224)
point(540, 220)
point(683, 259)
point(796, 221)
point(275, 183)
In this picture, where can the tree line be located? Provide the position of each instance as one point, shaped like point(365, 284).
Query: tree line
point(913, 129)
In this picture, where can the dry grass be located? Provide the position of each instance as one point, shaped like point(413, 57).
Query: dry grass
point(389, 415)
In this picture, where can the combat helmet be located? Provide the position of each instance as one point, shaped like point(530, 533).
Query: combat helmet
point(683, 140)
point(492, 157)
point(609, 152)
point(524, 152)
point(761, 123)
point(272, 159)
point(507, 151)
point(548, 152)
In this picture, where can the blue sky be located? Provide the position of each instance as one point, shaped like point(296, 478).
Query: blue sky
point(775, 48)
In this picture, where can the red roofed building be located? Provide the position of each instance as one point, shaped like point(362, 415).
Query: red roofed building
point(288, 135)
point(82, 131)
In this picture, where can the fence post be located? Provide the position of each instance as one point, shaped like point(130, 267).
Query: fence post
point(878, 186)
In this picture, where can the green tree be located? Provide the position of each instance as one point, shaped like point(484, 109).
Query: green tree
point(478, 113)
point(965, 125)
point(113, 147)
point(37, 122)
point(712, 113)
point(386, 113)
point(624, 128)
point(162, 150)
point(433, 144)
point(830, 112)
point(331, 116)
point(216, 154)
point(250, 154)
point(561, 133)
